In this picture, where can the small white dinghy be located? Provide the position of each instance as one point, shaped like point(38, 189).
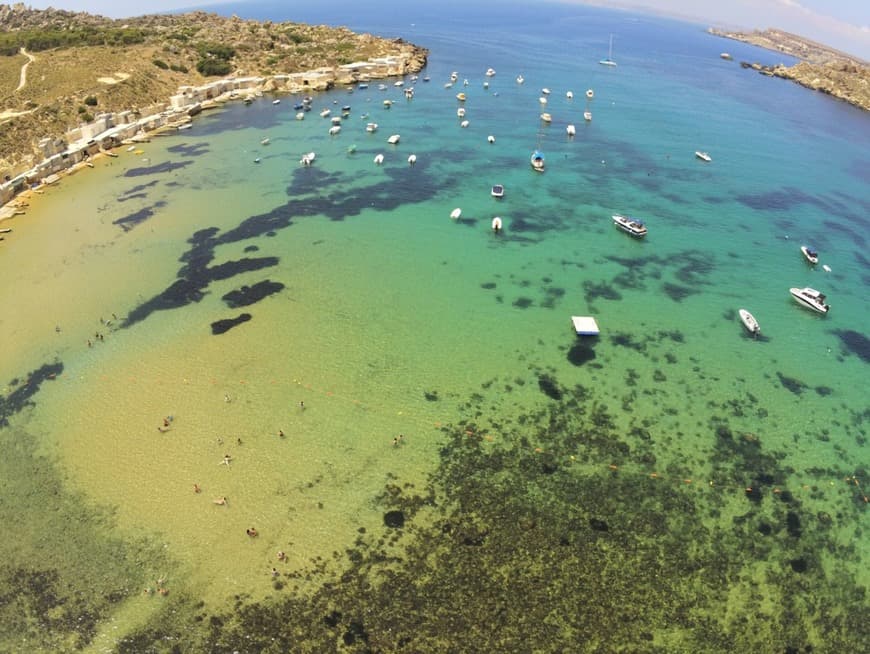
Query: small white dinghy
point(571, 130)
point(490, 139)
point(379, 159)
point(456, 213)
point(749, 322)
point(496, 224)
point(412, 159)
point(307, 159)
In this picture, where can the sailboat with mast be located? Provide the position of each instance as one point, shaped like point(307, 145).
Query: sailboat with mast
point(609, 60)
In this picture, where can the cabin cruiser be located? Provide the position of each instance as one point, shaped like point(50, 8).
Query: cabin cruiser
point(497, 191)
point(630, 225)
point(810, 298)
point(537, 161)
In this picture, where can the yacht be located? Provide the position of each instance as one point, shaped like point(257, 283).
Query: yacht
point(630, 225)
point(703, 156)
point(537, 161)
point(810, 298)
point(749, 322)
point(810, 254)
point(497, 191)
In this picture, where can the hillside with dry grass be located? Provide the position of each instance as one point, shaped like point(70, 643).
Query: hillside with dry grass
point(87, 64)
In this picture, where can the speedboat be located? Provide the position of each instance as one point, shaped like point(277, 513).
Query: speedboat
point(496, 224)
point(749, 322)
point(325, 113)
point(371, 127)
point(497, 191)
point(537, 161)
point(630, 225)
point(460, 112)
point(810, 298)
point(265, 141)
point(571, 130)
point(587, 115)
point(393, 139)
point(590, 93)
point(810, 254)
point(490, 72)
point(460, 97)
point(520, 79)
point(307, 159)
point(703, 156)
point(547, 118)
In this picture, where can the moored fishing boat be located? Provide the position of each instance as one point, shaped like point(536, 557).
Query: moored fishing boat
point(749, 322)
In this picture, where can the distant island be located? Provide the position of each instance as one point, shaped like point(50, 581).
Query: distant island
point(821, 68)
point(62, 70)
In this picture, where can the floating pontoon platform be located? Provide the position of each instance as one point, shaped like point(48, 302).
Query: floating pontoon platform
point(585, 325)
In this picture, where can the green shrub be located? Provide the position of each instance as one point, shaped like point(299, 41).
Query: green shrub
point(178, 68)
point(209, 67)
point(91, 101)
point(161, 64)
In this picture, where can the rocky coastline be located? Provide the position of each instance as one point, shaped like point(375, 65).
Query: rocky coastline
point(78, 98)
point(820, 68)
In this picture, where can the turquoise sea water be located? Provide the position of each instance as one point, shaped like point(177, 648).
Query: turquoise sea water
point(673, 485)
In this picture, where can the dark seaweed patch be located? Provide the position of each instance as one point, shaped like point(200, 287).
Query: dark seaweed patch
point(130, 221)
point(394, 519)
point(678, 292)
point(855, 342)
point(488, 286)
point(549, 387)
point(523, 302)
point(252, 248)
point(165, 167)
point(22, 396)
point(248, 295)
point(594, 290)
point(189, 149)
point(222, 326)
point(796, 386)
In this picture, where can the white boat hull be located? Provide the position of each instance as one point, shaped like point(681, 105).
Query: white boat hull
point(749, 322)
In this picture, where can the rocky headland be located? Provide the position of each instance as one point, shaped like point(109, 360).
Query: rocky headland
point(821, 68)
point(61, 70)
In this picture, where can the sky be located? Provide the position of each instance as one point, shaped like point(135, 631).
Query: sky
point(841, 24)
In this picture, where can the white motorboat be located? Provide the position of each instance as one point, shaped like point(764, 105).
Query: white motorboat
point(587, 115)
point(307, 159)
point(460, 112)
point(399, 83)
point(276, 102)
point(703, 156)
point(265, 141)
point(590, 93)
point(547, 118)
point(464, 123)
point(456, 213)
point(537, 161)
point(520, 79)
point(412, 159)
point(325, 113)
point(490, 72)
point(490, 139)
point(630, 225)
point(379, 159)
point(810, 298)
point(545, 91)
point(571, 130)
point(300, 115)
point(497, 191)
point(393, 139)
point(388, 104)
point(461, 97)
point(496, 224)
point(749, 322)
point(371, 127)
point(335, 129)
point(810, 254)
point(570, 95)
